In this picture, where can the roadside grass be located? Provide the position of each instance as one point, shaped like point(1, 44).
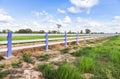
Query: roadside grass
point(4, 73)
point(103, 62)
point(1, 58)
point(86, 64)
point(65, 50)
point(43, 57)
point(3, 38)
point(47, 70)
point(16, 64)
point(64, 71)
point(27, 57)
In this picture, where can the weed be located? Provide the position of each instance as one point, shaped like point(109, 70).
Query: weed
point(47, 70)
point(4, 73)
point(16, 64)
point(43, 57)
point(2, 66)
point(26, 57)
point(66, 71)
point(86, 65)
point(82, 52)
point(66, 50)
point(1, 58)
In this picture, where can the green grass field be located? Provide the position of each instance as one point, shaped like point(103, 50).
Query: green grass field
point(3, 38)
point(103, 62)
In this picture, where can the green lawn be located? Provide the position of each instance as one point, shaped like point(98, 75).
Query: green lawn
point(3, 38)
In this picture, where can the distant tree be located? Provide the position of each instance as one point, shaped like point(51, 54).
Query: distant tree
point(59, 26)
point(81, 32)
point(69, 32)
point(52, 32)
point(24, 31)
point(6, 30)
point(87, 31)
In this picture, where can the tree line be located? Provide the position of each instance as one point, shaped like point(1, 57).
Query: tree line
point(87, 31)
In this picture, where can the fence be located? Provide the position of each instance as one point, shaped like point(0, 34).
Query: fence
point(77, 37)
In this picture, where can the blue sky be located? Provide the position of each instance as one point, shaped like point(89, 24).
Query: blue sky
point(97, 15)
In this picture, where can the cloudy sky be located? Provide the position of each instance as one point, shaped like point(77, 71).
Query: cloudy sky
point(74, 15)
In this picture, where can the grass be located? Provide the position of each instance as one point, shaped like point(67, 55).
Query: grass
point(16, 64)
point(27, 57)
point(47, 70)
point(103, 62)
point(66, 50)
point(86, 64)
point(65, 71)
point(1, 58)
point(3, 38)
point(43, 57)
point(4, 74)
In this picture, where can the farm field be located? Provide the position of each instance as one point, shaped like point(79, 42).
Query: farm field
point(3, 38)
point(97, 59)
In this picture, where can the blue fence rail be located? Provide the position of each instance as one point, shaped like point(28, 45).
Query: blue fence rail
point(9, 42)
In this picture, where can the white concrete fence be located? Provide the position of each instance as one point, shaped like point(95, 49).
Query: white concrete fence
point(75, 38)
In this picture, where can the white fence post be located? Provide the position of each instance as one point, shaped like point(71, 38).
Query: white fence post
point(46, 41)
point(65, 39)
point(77, 37)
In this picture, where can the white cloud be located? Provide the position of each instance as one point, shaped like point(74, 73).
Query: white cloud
point(67, 20)
point(74, 10)
point(116, 19)
point(82, 5)
point(41, 13)
point(61, 11)
point(4, 17)
point(94, 26)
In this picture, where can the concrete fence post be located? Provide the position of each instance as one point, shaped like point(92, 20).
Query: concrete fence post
point(46, 41)
point(9, 45)
point(84, 37)
point(77, 37)
point(65, 39)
